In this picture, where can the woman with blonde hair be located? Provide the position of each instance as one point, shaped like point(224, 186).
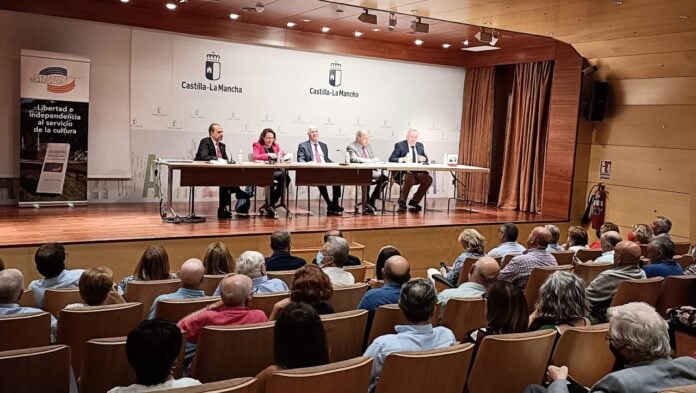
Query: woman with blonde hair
point(218, 259)
point(153, 265)
point(473, 243)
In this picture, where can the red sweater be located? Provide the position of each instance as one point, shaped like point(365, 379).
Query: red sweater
point(219, 316)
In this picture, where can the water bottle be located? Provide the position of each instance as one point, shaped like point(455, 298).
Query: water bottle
point(240, 157)
point(347, 158)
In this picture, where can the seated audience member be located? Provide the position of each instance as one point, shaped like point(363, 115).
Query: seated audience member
point(660, 253)
point(335, 252)
point(2, 264)
point(152, 349)
point(312, 286)
point(606, 227)
point(218, 260)
point(483, 273)
point(521, 266)
point(555, 236)
point(562, 304)
point(50, 262)
point(508, 242)
point(191, 276)
point(601, 290)
point(299, 340)
point(609, 240)
point(417, 303)
point(661, 226)
point(385, 253)
point(252, 265)
point(11, 284)
point(506, 312)
point(639, 340)
point(397, 271)
point(352, 259)
point(153, 265)
point(232, 309)
point(472, 242)
point(642, 234)
point(97, 288)
point(281, 241)
point(577, 239)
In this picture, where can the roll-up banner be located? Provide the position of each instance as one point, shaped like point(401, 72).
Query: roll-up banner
point(54, 94)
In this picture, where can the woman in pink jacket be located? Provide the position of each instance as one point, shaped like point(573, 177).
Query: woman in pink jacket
point(266, 149)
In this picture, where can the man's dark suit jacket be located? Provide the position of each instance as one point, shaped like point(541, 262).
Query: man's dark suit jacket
point(351, 261)
point(282, 260)
point(206, 150)
point(401, 149)
point(305, 151)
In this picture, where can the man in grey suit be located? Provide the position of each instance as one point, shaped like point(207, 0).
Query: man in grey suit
point(639, 340)
point(312, 150)
point(360, 151)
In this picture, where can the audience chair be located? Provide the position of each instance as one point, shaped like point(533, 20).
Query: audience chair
point(211, 282)
point(586, 353)
point(685, 260)
point(77, 326)
point(685, 343)
point(175, 309)
point(345, 332)
point(466, 268)
point(348, 376)
point(286, 275)
point(589, 271)
point(441, 283)
point(463, 315)
point(676, 291)
point(357, 271)
point(105, 365)
point(442, 370)
point(233, 351)
point(55, 299)
point(587, 254)
point(522, 356)
point(347, 297)
point(27, 299)
point(40, 369)
point(681, 389)
point(507, 258)
point(564, 257)
point(386, 317)
point(237, 385)
point(682, 248)
point(25, 330)
point(266, 301)
point(145, 292)
point(644, 290)
point(537, 279)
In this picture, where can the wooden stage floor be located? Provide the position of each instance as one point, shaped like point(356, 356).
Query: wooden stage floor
point(141, 221)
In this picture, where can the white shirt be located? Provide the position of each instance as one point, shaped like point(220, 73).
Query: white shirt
point(169, 384)
point(607, 256)
point(338, 276)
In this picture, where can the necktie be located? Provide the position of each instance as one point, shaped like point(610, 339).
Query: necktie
point(413, 154)
point(218, 152)
point(365, 152)
point(317, 158)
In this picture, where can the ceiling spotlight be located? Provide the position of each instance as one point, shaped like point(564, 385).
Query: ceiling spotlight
point(366, 17)
point(465, 42)
point(357, 34)
point(234, 16)
point(488, 36)
point(683, 16)
point(418, 42)
point(124, 1)
point(325, 29)
point(256, 9)
point(376, 29)
point(419, 27)
point(446, 45)
point(590, 70)
point(306, 20)
point(170, 6)
point(291, 24)
point(392, 21)
point(182, 1)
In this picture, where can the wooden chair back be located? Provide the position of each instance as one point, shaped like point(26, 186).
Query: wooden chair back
point(463, 315)
point(175, 309)
point(214, 360)
point(523, 356)
point(386, 317)
point(466, 268)
point(685, 343)
point(357, 271)
point(586, 353)
point(286, 275)
point(348, 376)
point(537, 278)
point(676, 291)
point(105, 365)
point(211, 282)
point(27, 299)
point(507, 258)
point(145, 292)
point(345, 332)
point(644, 290)
point(564, 257)
point(237, 385)
point(681, 248)
point(25, 330)
point(589, 271)
point(442, 370)
point(27, 371)
point(266, 301)
point(55, 299)
point(685, 260)
point(587, 254)
point(347, 297)
point(79, 325)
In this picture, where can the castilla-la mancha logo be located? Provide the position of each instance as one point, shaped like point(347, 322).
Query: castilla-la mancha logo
point(212, 66)
point(335, 74)
point(56, 79)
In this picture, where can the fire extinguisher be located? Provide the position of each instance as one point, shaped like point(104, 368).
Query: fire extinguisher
point(596, 208)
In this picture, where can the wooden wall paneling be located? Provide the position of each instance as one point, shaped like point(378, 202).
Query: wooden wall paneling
point(527, 55)
point(692, 211)
point(562, 122)
point(579, 200)
point(677, 42)
point(654, 91)
point(657, 65)
point(559, 164)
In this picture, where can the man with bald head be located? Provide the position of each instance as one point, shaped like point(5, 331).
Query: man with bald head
point(608, 241)
point(483, 272)
point(232, 309)
point(11, 284)
point(520, 267)
point(396, 271)
point(191, 276)
point(601, 290)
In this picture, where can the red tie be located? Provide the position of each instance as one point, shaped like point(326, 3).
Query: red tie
point(365, 152)
point(218, 152)
point(316, 153)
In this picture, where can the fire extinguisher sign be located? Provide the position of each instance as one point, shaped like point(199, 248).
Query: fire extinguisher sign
point(605, 170)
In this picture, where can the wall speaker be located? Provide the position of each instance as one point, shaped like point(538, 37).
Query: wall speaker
point(596, 103)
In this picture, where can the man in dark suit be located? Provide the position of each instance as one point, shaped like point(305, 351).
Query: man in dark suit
point(281, 259)
point(410, 150)
point(212, 148)
point(312, 150)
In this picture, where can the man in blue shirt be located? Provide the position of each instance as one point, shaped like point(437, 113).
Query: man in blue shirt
point(191, 276)
point(50, 262)
point(660, 252)
point(11, 283)
point(508, 242)
point(252, 264)
point(417, 303)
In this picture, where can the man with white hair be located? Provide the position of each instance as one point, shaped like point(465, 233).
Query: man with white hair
point(608, 241)
point(335, 254)
point(639, 340)
point(312, 150)
point(410, 150)
point(11, 283)
point(360, 151)
point(253, 265)
point(191, 276)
